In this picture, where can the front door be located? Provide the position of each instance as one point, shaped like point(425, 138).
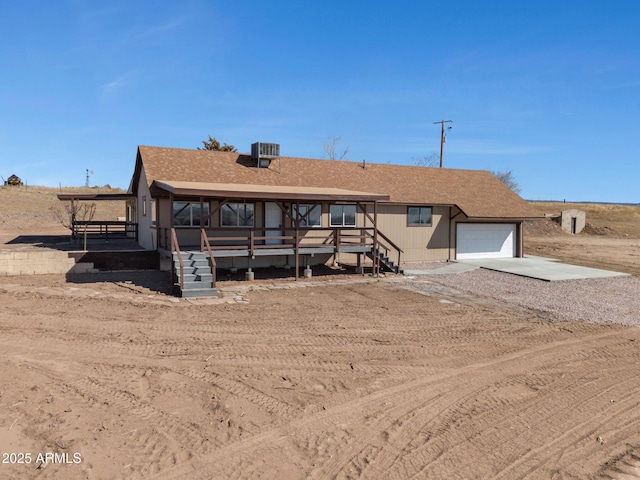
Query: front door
point(272, 219)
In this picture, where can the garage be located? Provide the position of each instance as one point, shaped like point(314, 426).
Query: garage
point(485, 240)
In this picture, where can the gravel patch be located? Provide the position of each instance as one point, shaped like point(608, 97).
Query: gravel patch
point(602, 300)
point(424, 265)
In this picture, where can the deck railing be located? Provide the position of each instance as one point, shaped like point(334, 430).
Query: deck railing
point(104, 229)
point(175, 247)
point(254, 239)
point(206, 247)
point(263, 238)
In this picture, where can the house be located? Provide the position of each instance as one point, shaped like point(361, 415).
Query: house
point(262, 209)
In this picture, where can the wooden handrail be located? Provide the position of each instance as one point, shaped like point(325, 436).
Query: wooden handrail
point(205, 243)
point(175, 246)
point(390, 242)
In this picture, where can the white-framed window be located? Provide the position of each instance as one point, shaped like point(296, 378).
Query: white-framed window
point(187, 214)
point(419, 216)
point(342, 215)
point(313, 219)
point(144, 205)
point(237, 215)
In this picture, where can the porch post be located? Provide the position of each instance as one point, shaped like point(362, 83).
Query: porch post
point(296, 217)
point(201, 216)
point(172, 219)
point(376, 260)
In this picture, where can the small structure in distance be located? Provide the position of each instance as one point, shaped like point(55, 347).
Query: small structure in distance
point(13, 181)
point(573, 221)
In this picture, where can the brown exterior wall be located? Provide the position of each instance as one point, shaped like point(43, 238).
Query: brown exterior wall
point(420, 243)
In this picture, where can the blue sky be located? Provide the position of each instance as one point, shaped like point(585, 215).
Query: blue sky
point(547, 89)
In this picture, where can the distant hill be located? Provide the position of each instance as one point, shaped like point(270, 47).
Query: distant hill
point(605, 219)
point(31, 206)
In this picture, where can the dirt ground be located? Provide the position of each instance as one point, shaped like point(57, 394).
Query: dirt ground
point(617, 254)
point(611, 239)
point(344, 380)
point(108, 377)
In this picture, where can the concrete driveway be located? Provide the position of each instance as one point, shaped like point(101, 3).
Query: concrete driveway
point(541, 268)
point(548, 269)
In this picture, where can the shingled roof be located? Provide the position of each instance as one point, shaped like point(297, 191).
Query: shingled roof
point(479, 194)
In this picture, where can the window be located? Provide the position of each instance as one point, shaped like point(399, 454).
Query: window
point(313, 219)
point(187, 214)
point(418, 216)
point(144, 206)
point(343, 215)
point(237, 215)
point(152, 208)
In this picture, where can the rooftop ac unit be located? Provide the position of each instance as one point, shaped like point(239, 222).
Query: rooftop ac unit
point(263, 153)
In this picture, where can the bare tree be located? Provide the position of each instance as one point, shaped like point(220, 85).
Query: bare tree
point(430, 160)
point(75, 213)
point(508, 179)
point(330, 147)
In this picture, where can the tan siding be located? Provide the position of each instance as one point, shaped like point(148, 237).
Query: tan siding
point(424, 243)
point(459, 217)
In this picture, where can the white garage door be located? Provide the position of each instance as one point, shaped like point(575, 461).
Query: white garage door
point(486, 240)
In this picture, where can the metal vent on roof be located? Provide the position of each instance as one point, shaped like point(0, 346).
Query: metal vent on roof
point(263, 153)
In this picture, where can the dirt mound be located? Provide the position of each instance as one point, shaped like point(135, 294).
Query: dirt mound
point(591, 229)
point(542, 228)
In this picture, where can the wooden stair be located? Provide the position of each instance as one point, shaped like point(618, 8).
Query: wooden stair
point(386, 263)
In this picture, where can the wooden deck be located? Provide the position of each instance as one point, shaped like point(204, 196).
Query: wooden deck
point(257, 242)
point(247, 252)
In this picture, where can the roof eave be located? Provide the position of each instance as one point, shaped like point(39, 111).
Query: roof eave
point(285, 196)
point(95, 196)
point(503, 219)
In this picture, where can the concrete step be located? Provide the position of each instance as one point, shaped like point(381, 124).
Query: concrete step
point(195, 270)
point(205, 277)
point(193, 263)
point(195, 285)
point(201, 292)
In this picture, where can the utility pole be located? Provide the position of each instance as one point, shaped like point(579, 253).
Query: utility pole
point(442, 136)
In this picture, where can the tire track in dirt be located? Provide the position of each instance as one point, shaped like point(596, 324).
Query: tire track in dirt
point(175, 434)
point(485, 441)
point(626, 466)
point(537, 409)
point(452, 419)
point(584, 432)
point(245, 392)
point(449, 419)
point(408, 396)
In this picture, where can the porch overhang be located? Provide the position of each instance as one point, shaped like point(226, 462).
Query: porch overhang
point(95, 197)
point(264, 192)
